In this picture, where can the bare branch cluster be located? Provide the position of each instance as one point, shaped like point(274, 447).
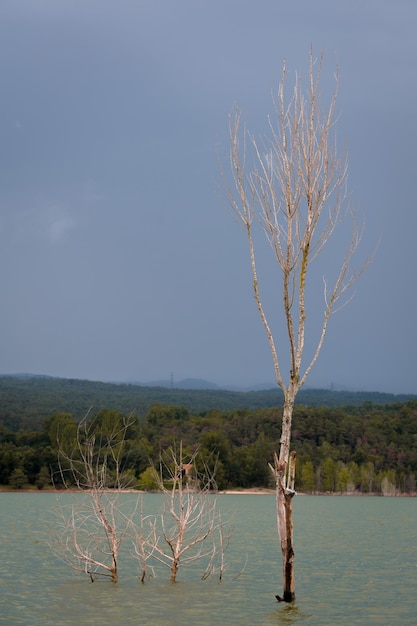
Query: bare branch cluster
point(88, 532)
point(92, 457)
point(188, 518)
point(296, 190)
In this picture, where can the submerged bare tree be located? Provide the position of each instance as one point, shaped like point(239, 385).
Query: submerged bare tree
point(188, 528)
point(88, 532)
point(296, 191)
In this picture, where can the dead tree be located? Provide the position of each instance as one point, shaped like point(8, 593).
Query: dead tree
point(87, 533)
point(186, 529)
point(296, 192)
point(143, 544)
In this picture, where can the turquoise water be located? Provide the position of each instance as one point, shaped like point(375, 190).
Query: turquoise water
point(356, 563)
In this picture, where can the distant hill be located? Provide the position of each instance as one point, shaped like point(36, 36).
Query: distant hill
point(24, 376)
point(187, 383)
point(199, 383)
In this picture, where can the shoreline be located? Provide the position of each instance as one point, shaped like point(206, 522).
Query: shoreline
point(225, 492)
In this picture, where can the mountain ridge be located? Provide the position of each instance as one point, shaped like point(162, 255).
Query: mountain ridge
point(191, 383)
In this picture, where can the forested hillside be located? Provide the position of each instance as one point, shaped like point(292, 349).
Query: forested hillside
point(365, 447)
point(27, 402)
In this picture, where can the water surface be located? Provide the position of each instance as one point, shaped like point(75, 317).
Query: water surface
point(356, 563)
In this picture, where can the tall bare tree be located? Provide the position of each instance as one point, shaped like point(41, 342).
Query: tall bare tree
point(295, 190)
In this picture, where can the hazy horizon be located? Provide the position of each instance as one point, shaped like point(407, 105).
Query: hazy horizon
point(190, 383)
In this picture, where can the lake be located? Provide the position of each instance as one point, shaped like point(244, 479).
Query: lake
point(356, 563)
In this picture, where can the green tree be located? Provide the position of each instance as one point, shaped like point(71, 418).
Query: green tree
point(18, 478)
point(344, 479)
point(308, 480)
point(9, 459)
point(137, 454)
point(216, 442)
point(58, 427)
point(368, 478)
point(43, 479)
point(355, 474)
point(149, 480)
point(388, 482)
point(161, 414)
point(328, 475)
point(261, 450)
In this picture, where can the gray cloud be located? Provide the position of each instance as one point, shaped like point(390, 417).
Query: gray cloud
point(118, 259)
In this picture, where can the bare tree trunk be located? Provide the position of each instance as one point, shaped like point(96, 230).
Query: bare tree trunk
point(174, 570)
point(110, 532)
point(284, 472)
point(287, 542)
point(284, 496)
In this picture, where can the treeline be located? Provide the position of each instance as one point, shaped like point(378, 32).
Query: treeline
point(366, 448)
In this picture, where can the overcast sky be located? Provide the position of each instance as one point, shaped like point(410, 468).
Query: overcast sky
point(118, 260)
